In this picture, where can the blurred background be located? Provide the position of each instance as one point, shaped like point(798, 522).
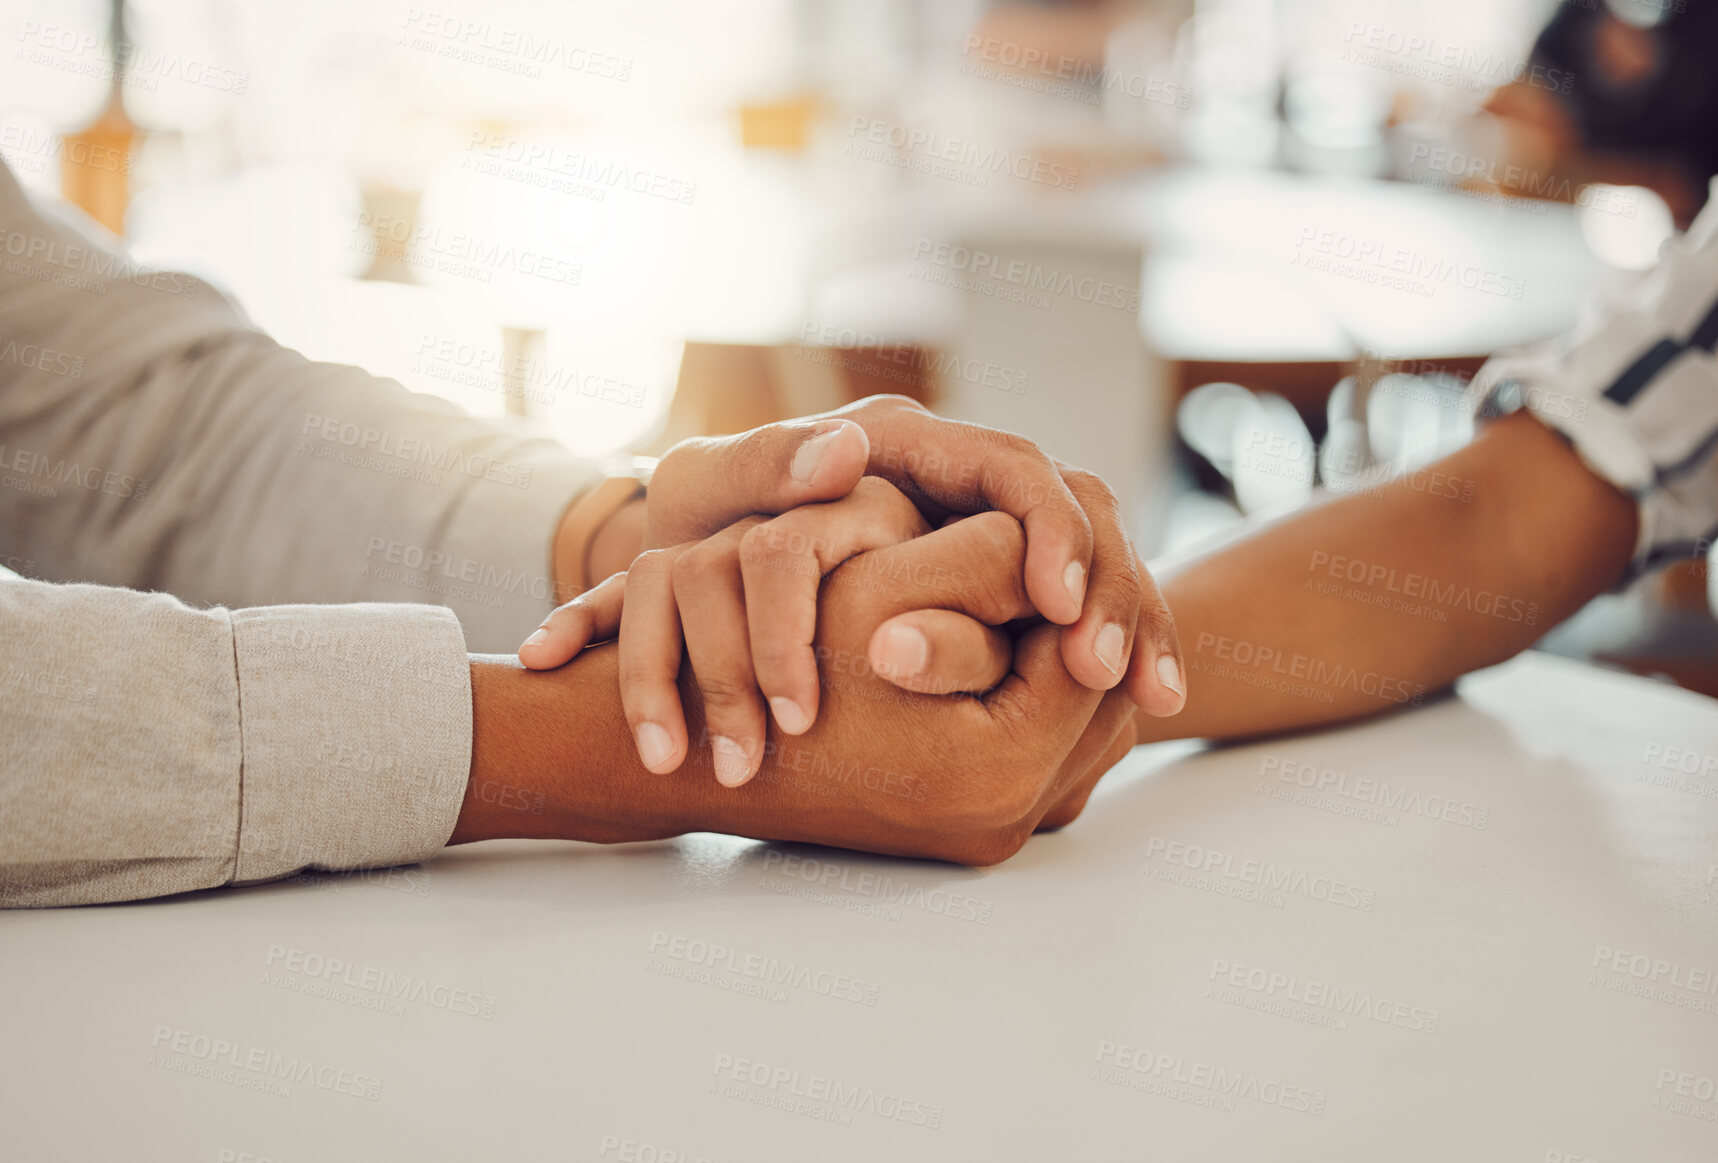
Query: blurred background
point(1221, 252)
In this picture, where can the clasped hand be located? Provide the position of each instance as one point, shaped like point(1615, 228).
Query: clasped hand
point(941, 684)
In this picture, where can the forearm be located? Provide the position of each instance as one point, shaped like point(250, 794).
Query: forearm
point(552, 758)
point(1372, 601)
point(138, 398)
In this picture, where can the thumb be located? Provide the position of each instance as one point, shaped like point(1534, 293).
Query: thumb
point(704, 485)
point(940, 652)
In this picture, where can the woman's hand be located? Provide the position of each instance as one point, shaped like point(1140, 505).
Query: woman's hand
point(743, 604)
point(1079, 569)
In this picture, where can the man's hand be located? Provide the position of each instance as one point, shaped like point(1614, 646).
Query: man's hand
point(1079, 569)
point(886, 770)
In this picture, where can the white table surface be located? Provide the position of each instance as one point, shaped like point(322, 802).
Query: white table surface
point(995, 1003)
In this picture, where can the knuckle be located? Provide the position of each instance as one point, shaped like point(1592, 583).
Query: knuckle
point(995, 586)
point(1013, 801)
point(1084, 484)
point(699, 566)
point(652, 563)
point(1023, 446)
point(896, 507)
point(779, 545)
point(760, 544)
point(726, 692)
point(1002, 536)
point(774, 657)
point(891, 402)
point(672, 470)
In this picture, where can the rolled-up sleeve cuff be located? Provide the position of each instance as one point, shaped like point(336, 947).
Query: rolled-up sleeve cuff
point(355, 735)
point(1600, 432)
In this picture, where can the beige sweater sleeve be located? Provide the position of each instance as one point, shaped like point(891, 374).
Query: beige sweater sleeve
point(151, 439)
point(154, 748)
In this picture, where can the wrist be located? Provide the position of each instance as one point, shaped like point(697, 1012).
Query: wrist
point(616, 542)
point(551, 758)
point(603, 530)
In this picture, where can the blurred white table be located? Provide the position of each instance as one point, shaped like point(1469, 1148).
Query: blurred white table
point(1412, 986)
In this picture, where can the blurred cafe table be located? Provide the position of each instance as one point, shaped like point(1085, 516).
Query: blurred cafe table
point(1280, 282)
point(1483, 929)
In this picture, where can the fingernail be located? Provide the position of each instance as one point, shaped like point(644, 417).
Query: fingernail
point(905, 651)
point(1107, 646)
point(538, 637)
point(1074, 577)
point(1169, 674)
point(810, 455)
point(733, 767)
point(654, 745)
point(790, 716)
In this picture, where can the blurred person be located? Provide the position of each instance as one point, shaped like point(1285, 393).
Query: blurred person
point(1639, 106)
point(1598, 463)
point(158, 455)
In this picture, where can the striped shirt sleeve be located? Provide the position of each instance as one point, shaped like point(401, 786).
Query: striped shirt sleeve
point(1634, 388)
